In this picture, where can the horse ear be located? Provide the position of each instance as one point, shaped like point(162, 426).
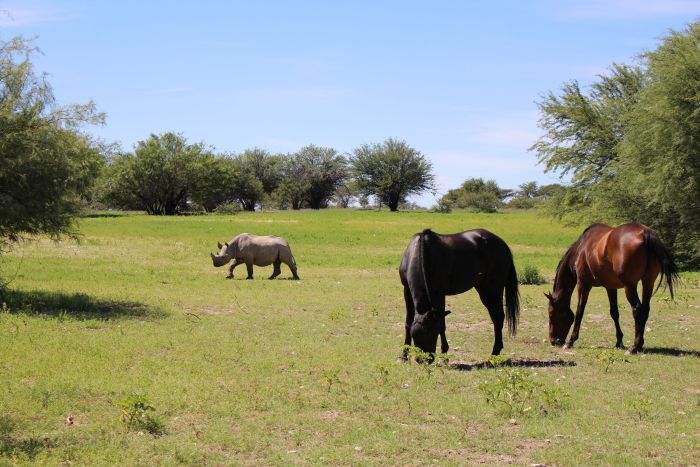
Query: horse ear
point(447, 312)
point(549, 296)
point(226, 245)
point(219, 245)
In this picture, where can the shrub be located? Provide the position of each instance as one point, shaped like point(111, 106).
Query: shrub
point(229, 208)
point(530, 275)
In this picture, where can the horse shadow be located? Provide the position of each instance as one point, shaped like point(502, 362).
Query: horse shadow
point(671, 351)
point(522, 363)
point(75, 306)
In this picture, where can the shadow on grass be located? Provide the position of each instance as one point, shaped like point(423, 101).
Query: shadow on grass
point(75, 306)
point(461, 366)
point(672, 351)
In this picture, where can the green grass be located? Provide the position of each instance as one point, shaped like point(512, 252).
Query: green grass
point(280, 372)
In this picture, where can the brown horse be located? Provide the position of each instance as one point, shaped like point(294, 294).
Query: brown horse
point(613, 258)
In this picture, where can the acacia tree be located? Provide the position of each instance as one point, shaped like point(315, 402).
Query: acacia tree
point(324, 171)
point(631, 144)
point(311, 177)
point(46, 163)
point(157, 177)
point(391, 171)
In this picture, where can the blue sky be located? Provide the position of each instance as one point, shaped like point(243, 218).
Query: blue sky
point(458, 80)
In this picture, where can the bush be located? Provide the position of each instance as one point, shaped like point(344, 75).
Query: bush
point(228, 208)
point(530, 275)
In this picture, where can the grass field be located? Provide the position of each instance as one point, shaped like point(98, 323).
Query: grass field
point(304, 372)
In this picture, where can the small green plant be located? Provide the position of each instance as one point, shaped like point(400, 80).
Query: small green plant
point(383, 371)
point(498, 361)
point(609, 357)
point(641, 408)
point(330, 377)
point(135, 415)
point(515, 393)
point(336, 315)
point(530, 275)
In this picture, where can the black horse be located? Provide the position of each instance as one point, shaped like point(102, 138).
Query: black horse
point(435, 265)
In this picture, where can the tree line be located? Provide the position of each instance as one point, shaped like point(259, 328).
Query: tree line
point(167, 175)
point(629, 142)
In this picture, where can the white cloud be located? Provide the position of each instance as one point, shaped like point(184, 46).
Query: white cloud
point(13, 16)
point(515, 131)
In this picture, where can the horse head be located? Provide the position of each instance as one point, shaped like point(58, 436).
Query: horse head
point(427, 327)
point(560, 319)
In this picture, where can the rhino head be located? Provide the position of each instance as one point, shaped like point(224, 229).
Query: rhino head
point(222, 258)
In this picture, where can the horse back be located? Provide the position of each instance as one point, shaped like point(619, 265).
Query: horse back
point(615, 257)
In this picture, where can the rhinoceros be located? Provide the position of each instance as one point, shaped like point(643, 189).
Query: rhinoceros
point(255, 250)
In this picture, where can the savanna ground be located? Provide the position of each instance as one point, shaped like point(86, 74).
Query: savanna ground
point(304, 372)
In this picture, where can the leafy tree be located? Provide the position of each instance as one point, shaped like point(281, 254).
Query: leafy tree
point(475, 193)
point(660, 154)
point(266, 167)
point(214, 182)
point(324, 172)
point(531, 194)
point(157, 177)
point(311, 177)
point(248, 189)
point(392, 171)
point(631, 144)
point(345, 194)
point(46, 163)
point(291, 192)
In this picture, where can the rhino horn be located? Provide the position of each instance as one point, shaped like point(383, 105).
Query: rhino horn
point(219, 245)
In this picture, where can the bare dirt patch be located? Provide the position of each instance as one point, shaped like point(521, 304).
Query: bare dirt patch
point(330, 415)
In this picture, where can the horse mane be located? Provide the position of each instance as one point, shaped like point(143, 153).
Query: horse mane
point(563, 261)
point(422, 240)
point(569, 252)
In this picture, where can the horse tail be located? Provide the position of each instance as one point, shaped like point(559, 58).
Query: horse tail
point(669, 270)
point(422, 250)
point(512, 299)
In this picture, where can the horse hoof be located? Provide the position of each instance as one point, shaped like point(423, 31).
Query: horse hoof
point(568, 346)
point(632, 351)
point(229, 277)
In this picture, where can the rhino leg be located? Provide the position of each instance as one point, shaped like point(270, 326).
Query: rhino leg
point(293, 268)
point(230, 269)
point(277, 270)
point(249, 267)
point(287, 258)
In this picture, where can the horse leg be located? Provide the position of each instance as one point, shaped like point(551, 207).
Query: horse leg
point(615, 315)
point(493, 301)
point(277, 270)
point(410, 313)
point(640, 318)
point(583, 291)
point(230, 269)
point(440, 305)
point(249, 267)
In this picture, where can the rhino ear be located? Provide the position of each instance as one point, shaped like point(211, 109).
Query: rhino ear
point(219, 245)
